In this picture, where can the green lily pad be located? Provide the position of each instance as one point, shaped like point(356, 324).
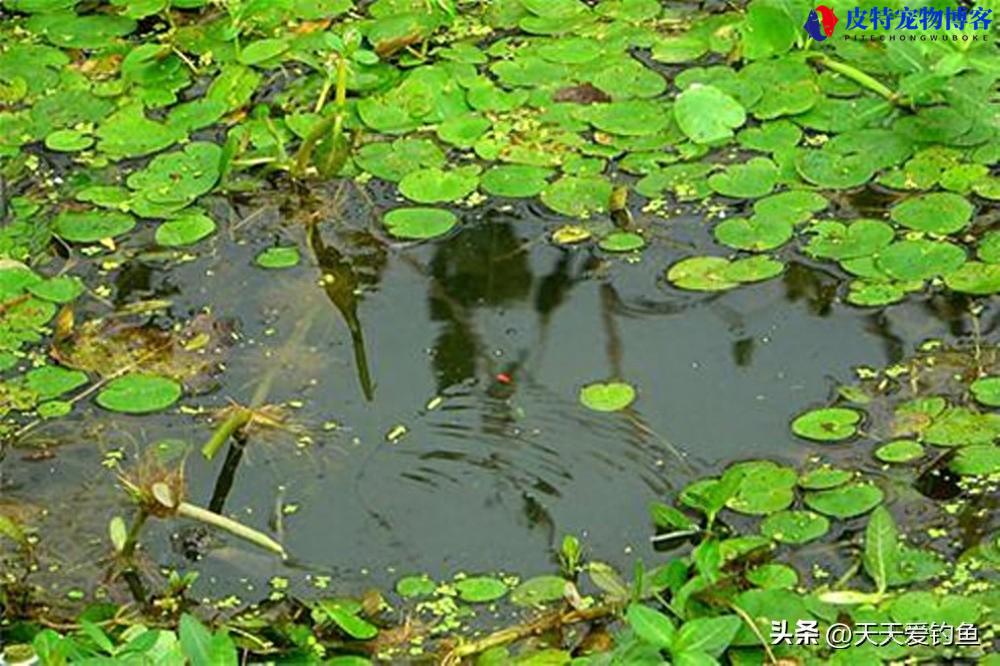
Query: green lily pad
point(751, 180)
point(707, 115)
point(762, 487)
point(900, 451)
point(795, 527)
point(790, 86)
point(185, 230)
point(975, 278)
point(988, 249)
point(607, 397)
point(976, 460)
point(480, 589)
point(920, 259)
point(962, 426)
point(410, 587)
point(838, 241)
point(59, 289)
point(68, 141)
point(701, 274)
point(986, 391)
point(794, 206)
point(754, 269)
point(630, 118)
point(50, 381)
point(771, 137)
point(278, 257)
point(875, 293)
point(622, 241)
point(829, 424)
point(847, 501)
point(419, 223)
point(833, 170)
point(578, 196)
point(72, 31)
point(938, 212)
point(92, 226)
point(179, 177)
point(539, 590)
point(463, 130)
point(515, 180)
point(392, 161)
point(139, 393)
point(824, 478)
point(754, 234)
point(434, 185)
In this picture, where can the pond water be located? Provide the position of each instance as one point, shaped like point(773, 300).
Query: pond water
point(439, 428)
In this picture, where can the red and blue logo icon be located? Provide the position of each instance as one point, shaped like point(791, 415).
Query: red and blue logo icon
point(820, 23)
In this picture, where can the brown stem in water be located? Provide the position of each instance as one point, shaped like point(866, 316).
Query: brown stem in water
point(537, 626)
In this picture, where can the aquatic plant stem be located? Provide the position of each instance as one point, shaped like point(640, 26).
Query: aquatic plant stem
point(532, 628)
point(239, 418)
point(132, 539)
point(235, 528)
point(859, 77)
point(334, 121)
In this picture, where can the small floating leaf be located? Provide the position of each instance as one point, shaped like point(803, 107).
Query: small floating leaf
point(539, 590)
point(515, 180)
point(607, 397)
point(419, 223)
point(845, 501)
point(987, 391)
point(701, 274)
point(185, 230)
point(938, 212)
point(707, 115)
point(278, 257)
point(827, 425)
point(480, 589)
point(415, 586)
point(436, 185)
point(139, 393)
point(899, 451)
point(975, 278)
point(622, 241)
point(920, 259)
point(795, 527)
point(92, 226)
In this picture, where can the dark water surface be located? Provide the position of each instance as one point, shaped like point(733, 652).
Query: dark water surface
point(477, 345)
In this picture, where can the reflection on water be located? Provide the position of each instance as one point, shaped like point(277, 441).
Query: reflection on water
point(477, 345)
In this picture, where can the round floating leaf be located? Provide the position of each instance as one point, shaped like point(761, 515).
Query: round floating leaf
point(755, 234)
point(58, 290)
point(975, 278)
point(987, 391)
point(515, 180)
point(920, 259)
point(415, 586)
point(790, 87)
point(989, 247)
point(570, 234)
point(607, 397)
point(707, 115)
point(480, 589)
point(824, 478)
point(278, 257)
point(622, 241)
point(435, 185)
point(763, 487)
point(419, 223)
point(630, 118)
point(977, 460)
point(873, 294)
point(938, 212)
point(570, 50)
point(830, 424)
point(771, 137)
point(795, 206)
point(701, 274)
point(961, 426)
point(899, 451)
point(837, 241)
point(185, 230)
point(773, 576)
point(795, 527)
point(681, 48)
point(578, 196)
point(830, 169)
point(139, 393)
point(750, 180)
point(392, 161)
point(463, 130)
point(539, 590)
point(68, 141)
point(753, 269)
point(51, 381)
point(92, 226)
point(847, 501)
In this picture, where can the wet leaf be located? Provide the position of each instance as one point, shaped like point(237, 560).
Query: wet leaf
point(795, 527)
point(185, 230)
point(480, 589)
point(701, 274)
point(938, 212)
point(607, 397)
point(622, 241)
point(139, 393)
point(278, 257)
point(900, 451)
point(847, 501)
point(92, 226)
point(415, 586)
point(419, 223)
point(707, 115)
point(433, 185)
point(920, 259)
point(975, 278)
point(539, 590)
point(827, 425)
